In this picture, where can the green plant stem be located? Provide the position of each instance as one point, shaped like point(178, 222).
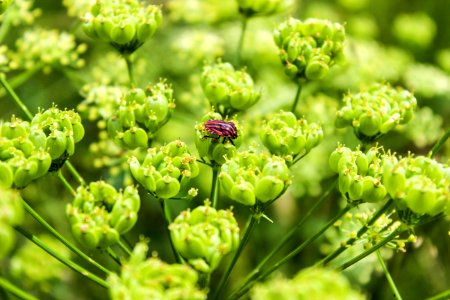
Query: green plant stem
point(360, 232)
point(287, 237)
point(113, 255)
point(61, 258)
point(226, 275)
point(6, 24)
point(214, 186)
point(293, 253)
point(204, 280)
point(167, 220)
point(441, 296)
point(16, 98)
point(244, 22)
point(388, 276)
point(19, 79)
point(124, 247)
point(62, 239)
point(66, 183)
point(129, 62)
point(369, 251)
point(75, 173)
point(297, 97)
point(440, 143)
point(16, 291)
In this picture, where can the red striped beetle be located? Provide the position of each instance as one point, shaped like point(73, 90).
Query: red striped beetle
point(220, 128)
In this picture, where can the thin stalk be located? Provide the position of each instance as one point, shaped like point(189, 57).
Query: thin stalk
point(61, 258)
point(226, 275)
point(204, 280)
point(129, 62)
point(167, 220)
point(75, 173)
point(288, 237)
point(66, 183)
point(124, 247)
point(13, 94)
point(114, 256)
point(297, 97)
point(214, 190)
point(440, 143)
point(360, 232)
point(441, 296)
point(19, 79)
point(369, 251)
point(244, 21)
point(62, 239)
point(14, 290)
point(293, 253)
point(388, 276)
point(6, 25)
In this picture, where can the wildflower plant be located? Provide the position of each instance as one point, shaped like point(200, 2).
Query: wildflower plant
point(228, 155)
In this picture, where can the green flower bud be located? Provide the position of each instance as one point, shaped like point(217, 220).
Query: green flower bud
point(373, 190)
point(243, 193)
point(6, 175)
point(268, 188)
point(56, 144)
point(227, 90)
point(11, 209)
point(203, 236)
point(125, 25)
point(7, 237)
point(336, 155)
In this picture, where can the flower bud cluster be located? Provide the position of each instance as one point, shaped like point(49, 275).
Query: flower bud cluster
point(78, 8)
point(311, 283)
point(251, 8)
point(99, 214)
point(52, 48)
point(251, 178)
point(165, 171)
point(151, 278)
point(376, 111)
point(140, 114)
point(11, 214)
point(126, 25)
point(215, 150)
point(359, 174)
point(288, 137)
point(227, 90)
point(100, 101)
point(21, 12)
point(418, 184)
point(204, 236)
point(309, 48)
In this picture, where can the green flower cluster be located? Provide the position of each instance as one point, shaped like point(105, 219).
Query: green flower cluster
point(165, 171)
point(309, 48)
point(251, 178)
point(126, 25)
point(376, 111)
point(359, 174)
point(11, 214)
point(48, 47)
point(227, 90)
point(99, 214)
point(417, 184)
point(204, 236)
point(215, 150)
point(100, 101)
point(4, 4)
point(151, 278)
point(140, 114)
point(311, 283)
point(251, 8)
point(288, 137)
point(78, 8)
point(21, 12)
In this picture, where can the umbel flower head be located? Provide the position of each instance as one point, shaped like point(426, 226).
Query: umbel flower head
point(151, 278)
point(140, 114)
point(252, 178)
point(126, 25)
point(49, 47)
point(165, 171)
point(311, 283)
point(250, 8)
point(11, 214)
point(376, 111)
point(288, 137)
point(21, 12)
point(99, 214)
point(100, 101)
point(214, 149)
point(228, 90)
point(309, 48)
point(419, 186)
point(204, 235)
point(359, 174)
